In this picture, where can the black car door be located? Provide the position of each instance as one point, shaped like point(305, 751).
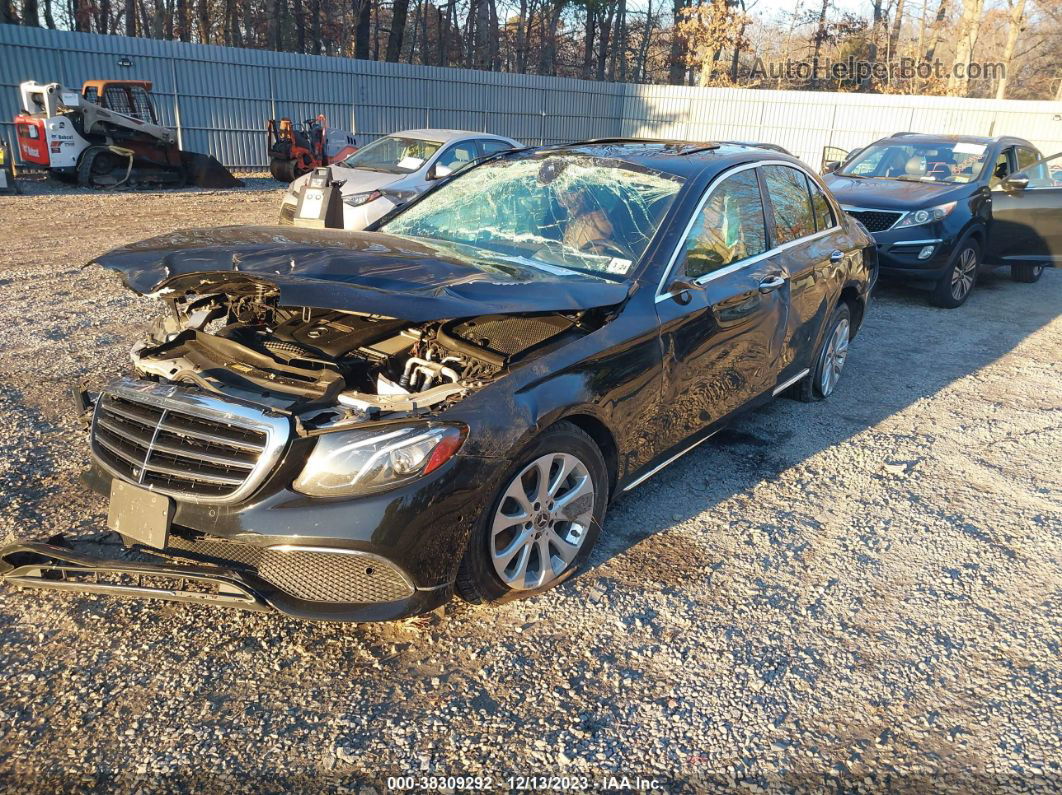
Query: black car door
point(723, 310)
point(800, 220)
point(1026, 226)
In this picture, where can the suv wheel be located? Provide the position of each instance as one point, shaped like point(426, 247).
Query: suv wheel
point(955, 285)
point(1026, 273)
point(543, 521)
point(830, 358)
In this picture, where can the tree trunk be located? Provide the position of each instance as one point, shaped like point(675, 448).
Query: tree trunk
point(363, 14)
point(618, 56)
point(203, 7)
point(30, 16)
point(589, 34)
point(180, 21)
point(49, 20)
point(643, 51)
point(1017, 19)
point(550, 20)
point(936, 32)
point(399, 12)
point(315, 26)
point(676, 74)
point(894, 34)
point(606, 38)
point(872, 50)
point(484, 37)
point(298, 15)
point(969, 28)
point(521, 39)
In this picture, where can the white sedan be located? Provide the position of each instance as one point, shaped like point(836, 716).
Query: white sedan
point(396, 168)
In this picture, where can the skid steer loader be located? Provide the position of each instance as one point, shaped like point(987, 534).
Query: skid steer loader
point(107, 136)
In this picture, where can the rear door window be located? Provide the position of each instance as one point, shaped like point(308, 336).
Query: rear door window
point(458, 156)
point(491, 146)
point(791, 207)
point(729, 228)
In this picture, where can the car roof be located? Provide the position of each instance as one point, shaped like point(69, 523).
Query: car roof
point(930, 138)
point(685, 159)
point(443, 136)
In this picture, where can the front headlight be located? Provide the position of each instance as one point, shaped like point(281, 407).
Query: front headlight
point(358, 199)
point(363, 461)
point(919, 217)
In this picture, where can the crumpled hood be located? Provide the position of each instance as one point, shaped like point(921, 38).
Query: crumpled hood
point(370, 272)
point(894, 194)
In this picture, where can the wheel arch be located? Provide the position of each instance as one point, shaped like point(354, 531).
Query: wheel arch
point(856, 305)
point(597, 430)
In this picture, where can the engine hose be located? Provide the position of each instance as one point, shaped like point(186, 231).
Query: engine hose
point(467, 348)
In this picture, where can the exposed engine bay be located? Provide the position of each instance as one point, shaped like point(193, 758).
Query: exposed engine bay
point(328, 366)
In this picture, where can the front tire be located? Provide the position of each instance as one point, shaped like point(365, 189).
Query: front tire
point(958, 282)
point(543, 521)
point(830, 357)
point(1026, 274)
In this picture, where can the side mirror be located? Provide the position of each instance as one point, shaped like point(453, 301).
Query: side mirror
point(1015, 183)
point(439, 171)
point(830, 166)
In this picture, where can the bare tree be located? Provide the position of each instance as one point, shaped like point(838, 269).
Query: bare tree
point(969, 29)
point(1014, 29)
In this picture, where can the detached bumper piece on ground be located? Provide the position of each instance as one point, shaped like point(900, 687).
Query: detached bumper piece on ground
point(305, 583)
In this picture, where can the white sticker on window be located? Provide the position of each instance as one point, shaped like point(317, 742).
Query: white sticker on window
point(969, 149)
point(618, 265)
point(410, 163)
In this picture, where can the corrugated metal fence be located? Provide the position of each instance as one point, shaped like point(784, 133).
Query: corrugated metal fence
point(220, 97)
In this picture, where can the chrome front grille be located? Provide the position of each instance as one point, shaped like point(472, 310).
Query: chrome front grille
point(185, 443)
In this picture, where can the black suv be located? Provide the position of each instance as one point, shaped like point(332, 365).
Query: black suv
point(942, 207)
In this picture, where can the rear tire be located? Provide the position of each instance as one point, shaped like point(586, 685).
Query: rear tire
point(556, 517)
point(958, 282)
point(830, 358)
point(1026, 273)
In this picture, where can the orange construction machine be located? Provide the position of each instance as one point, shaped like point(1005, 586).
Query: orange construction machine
point(297, 149)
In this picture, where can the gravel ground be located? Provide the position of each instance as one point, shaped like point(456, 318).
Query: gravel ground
point(862, 594)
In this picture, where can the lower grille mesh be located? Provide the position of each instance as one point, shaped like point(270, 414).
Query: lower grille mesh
point(311, 575)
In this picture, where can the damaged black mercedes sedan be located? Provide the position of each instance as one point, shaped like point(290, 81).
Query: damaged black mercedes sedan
point(352, 426)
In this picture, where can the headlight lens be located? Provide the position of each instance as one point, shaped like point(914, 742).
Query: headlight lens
point(347, 463)
point(358, 199)
point(919, 217)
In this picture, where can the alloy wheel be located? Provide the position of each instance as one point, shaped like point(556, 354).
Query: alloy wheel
point(962, 276)
point(834, 356)
point(541, 521)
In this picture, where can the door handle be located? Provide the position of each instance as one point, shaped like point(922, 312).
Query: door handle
point(771, 283)
point(836, 256)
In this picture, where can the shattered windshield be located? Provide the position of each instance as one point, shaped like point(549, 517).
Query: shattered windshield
point(571, 212)
point(946, 161)
point(393, 155)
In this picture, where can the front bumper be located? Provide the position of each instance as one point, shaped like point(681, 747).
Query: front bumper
point(898, 251)
point(103, 565)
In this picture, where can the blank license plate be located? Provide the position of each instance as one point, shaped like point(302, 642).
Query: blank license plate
point(139, 515)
